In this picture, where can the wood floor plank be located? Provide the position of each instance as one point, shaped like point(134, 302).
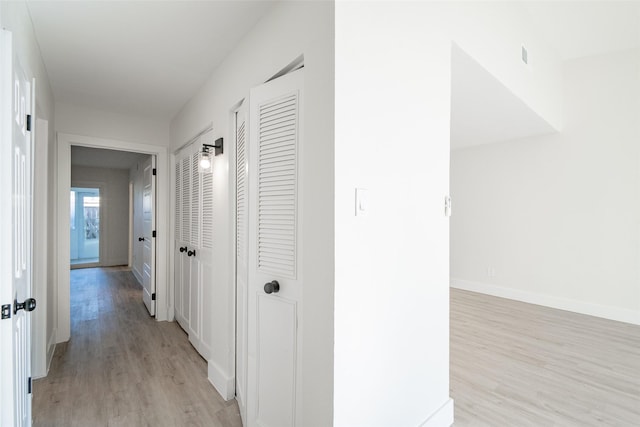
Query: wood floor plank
point(517, 364)
point(512, 364)
point(122, 368)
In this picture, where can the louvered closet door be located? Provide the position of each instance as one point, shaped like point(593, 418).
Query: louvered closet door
point(177, 258)
point(275, 249)
point(194, 244)
point(202, 238)
point(241, 256)
point(183, 236)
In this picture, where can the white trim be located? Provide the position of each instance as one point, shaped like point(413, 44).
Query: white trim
point(443, 417)
point(223, 383)
point(40, 241)
point(582, 307)
point(51, 350)
point(164, 302)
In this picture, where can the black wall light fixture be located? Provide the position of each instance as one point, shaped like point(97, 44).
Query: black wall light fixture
point(205, 157)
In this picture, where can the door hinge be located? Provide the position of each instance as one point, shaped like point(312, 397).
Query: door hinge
point(153, 296)
point(153, 233)
point(6, 311)
point(154, 171)
point(28, 122)
point(29, 386)
point(447, 206)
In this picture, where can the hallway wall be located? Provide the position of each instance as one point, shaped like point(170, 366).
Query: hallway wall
point(283, 34)
point(87, 121)
point(114, 226)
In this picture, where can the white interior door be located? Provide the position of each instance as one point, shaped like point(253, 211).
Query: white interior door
point(275, 250)
point(138, 227)
point(148, 231)
point(177, 252)
point(242, 243)
point(15, 252)
point(193, 246)
point(193, 253)
point(183, 238)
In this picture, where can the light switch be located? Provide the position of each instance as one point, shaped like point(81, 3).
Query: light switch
point(362, 201)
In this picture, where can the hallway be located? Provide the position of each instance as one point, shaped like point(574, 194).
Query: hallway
point(122, 368)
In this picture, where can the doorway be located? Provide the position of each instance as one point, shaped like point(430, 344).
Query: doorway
point(84, 224)
point(163, 306)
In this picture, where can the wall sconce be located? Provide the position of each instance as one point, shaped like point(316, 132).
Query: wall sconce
point(205, 156)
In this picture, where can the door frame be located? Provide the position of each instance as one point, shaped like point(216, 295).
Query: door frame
point(164, 301)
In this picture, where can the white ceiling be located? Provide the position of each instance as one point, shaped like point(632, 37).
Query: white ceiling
point(145, 58)
point(101, 158)
point(583, 28)
point(483, 110)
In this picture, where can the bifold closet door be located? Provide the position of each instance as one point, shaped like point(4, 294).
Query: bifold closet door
point(194, 245)
point(275, 246)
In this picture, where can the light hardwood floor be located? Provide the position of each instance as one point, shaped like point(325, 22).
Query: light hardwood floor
point(122, 368)
point(517, 364)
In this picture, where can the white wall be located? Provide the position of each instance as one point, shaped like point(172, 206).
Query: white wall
point(289, 30)
point(555, 220)
point(81, 120)
point(14, 16)
point(114, 196)
point(391, 273)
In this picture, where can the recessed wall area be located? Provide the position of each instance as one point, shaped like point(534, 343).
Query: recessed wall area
point(552, 218)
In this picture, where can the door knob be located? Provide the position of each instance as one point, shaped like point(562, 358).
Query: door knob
point(28, 305)
point(140, 239)
point(272, 287)
point(183, 249)
point(191, 253)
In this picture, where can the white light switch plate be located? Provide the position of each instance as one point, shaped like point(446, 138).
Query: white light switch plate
point(362, 201)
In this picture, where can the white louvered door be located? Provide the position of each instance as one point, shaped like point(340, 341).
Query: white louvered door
point(193, 248)
point(202, 235)
point(182, 263)
point(177, 258)
point(242, 273)
point(275, 250)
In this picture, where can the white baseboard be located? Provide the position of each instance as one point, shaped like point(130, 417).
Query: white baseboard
point(51, 348)
point(222, 382)
point(591, 309)
point(443, 417)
